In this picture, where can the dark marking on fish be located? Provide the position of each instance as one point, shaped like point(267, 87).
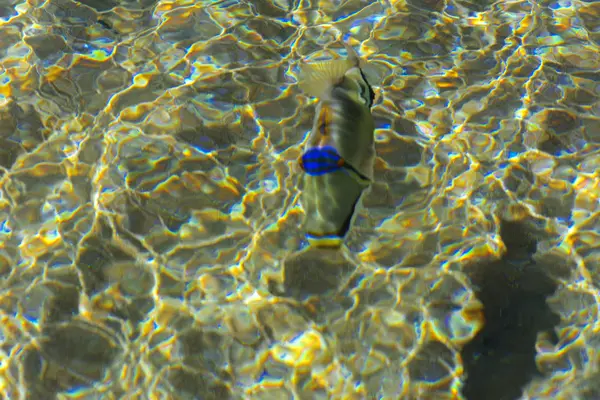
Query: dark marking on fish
point(369, 88)
point(105, 24)
point(324, 120)
point(323, 128)
point(347, 222)
point(318, 161)
point(321, 160)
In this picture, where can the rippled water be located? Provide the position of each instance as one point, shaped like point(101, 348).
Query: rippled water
point(151, 228)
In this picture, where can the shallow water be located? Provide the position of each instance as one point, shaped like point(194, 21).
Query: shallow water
point(151, 241)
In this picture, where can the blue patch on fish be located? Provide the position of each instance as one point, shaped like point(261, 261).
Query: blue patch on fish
point(321, 160)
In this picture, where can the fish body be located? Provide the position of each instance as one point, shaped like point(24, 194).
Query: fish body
point(339, 153)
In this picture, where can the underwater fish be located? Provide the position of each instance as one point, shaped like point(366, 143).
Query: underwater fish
point(338, 157)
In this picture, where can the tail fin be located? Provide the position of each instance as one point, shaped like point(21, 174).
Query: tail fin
point(317, 78)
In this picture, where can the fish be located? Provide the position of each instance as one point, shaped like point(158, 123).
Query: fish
point(338, 157)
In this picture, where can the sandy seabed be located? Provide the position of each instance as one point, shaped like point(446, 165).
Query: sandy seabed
point(150, 223)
